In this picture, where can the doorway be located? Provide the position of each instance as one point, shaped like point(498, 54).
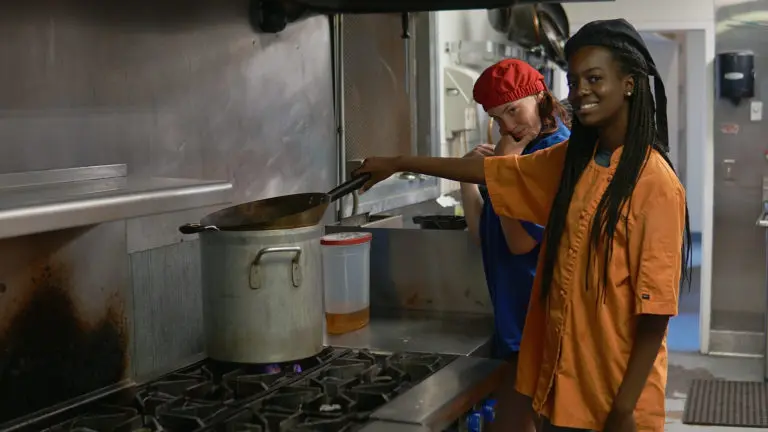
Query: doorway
point(668, 51)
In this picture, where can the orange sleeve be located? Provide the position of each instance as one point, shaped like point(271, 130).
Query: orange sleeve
point(657, 236)
point(523, 187)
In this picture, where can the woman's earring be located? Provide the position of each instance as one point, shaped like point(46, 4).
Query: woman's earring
point(629, 94)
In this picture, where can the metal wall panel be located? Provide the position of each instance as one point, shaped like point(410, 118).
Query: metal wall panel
point(426, 270)
point(738, 277)
point(390, 94)
point(168, 324)
point(378, 85)
point(172, 88)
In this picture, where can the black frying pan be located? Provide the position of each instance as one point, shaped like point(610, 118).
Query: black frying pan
point(283, 212)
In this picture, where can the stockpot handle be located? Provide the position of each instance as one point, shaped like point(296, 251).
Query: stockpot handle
point(254, 277)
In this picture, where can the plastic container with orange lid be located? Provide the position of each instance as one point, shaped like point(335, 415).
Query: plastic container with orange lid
point(346, 280)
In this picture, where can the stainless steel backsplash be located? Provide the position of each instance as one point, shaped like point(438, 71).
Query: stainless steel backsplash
point(425, 270)
point(172, 88)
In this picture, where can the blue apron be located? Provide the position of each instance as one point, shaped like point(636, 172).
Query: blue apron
point(510, 277)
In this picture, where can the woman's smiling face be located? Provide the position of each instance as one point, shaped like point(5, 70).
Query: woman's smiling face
point(598, 89)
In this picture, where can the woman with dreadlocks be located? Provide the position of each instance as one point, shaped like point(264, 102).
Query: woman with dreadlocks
point(593, 354)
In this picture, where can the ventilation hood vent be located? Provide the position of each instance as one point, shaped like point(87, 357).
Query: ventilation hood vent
point(271, 16)
point(394, 6)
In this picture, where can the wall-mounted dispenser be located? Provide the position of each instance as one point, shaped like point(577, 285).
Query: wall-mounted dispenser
point(735, 75)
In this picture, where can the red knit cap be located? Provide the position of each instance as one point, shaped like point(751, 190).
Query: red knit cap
point(507, 81)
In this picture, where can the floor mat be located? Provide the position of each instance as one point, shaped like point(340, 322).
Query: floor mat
point(727, 403)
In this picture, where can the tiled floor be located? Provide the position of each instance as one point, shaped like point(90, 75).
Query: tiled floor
point(684, 367)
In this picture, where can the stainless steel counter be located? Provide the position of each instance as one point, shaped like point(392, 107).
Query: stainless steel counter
point(420, 332)
point(444, 397)
point(380, 426)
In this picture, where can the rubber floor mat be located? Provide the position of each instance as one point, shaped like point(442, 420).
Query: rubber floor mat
point(727, 403)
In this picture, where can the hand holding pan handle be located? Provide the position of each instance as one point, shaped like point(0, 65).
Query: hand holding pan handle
point(348, 187)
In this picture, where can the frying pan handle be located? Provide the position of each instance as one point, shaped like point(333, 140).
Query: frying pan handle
point(195, 228)
point(349, 186)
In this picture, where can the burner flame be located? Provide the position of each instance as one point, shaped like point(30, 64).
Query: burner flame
point(276, 369)
point(272, 369)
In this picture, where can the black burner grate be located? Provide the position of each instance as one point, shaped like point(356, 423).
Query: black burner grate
point(335, 391)
point(184, 401)
point(109, 418)
point(338, 397)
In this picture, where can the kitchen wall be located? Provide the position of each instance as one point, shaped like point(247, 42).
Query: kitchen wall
point(738, 290)
point(172, 88)
point(641, 14)
point(455, 26)
point(665, 54)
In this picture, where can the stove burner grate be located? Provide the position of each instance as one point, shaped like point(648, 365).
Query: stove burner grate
point(194, 397)
point(109, 418)
point(338, 397)
point(335, 391)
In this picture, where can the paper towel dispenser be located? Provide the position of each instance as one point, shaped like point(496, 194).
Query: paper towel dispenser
point(735, 75)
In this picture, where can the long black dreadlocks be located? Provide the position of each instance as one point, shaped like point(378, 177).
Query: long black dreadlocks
point(647, 130)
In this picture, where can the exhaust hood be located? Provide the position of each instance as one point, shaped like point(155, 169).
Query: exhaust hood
point(394, 6)
point(272, 16)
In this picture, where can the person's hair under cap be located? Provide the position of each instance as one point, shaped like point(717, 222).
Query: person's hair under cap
point(621, 35)
point(507, 81)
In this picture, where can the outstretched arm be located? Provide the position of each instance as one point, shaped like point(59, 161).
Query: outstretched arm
point(464, 170)
point(471, 170)
point(520, 187)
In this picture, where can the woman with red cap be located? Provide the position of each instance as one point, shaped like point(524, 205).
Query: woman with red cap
point(513, 93)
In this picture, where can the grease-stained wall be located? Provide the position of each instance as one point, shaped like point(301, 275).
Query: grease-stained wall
point(170, 88)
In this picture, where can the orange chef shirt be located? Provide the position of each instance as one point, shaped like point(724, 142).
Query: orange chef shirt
point(575, 347)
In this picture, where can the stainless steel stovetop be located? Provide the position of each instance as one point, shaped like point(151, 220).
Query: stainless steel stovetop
point(335, 391)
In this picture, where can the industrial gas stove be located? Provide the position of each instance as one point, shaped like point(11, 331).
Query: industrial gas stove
point(335, 391)
point(339, 396)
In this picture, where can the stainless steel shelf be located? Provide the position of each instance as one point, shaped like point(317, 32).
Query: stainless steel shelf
point(39, 201)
